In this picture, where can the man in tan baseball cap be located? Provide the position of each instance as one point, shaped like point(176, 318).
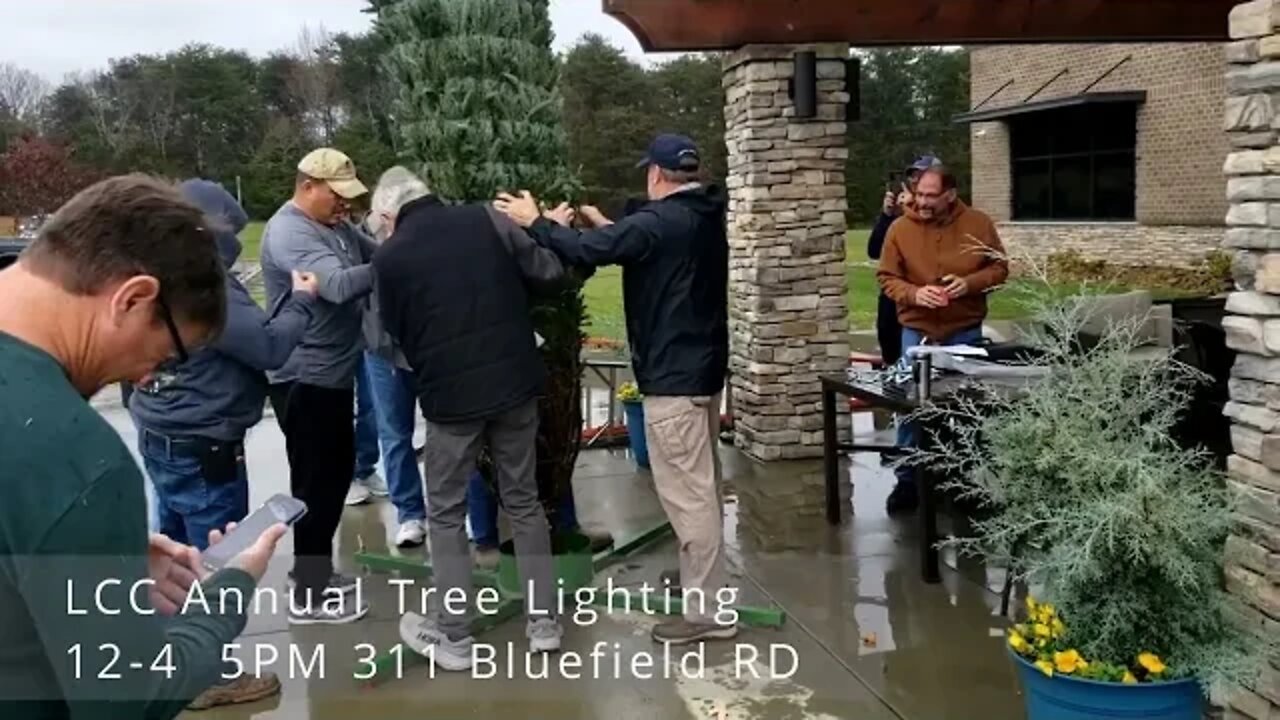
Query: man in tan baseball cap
point(326, 183)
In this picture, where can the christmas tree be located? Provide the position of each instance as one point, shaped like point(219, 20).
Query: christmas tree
point(478, 111)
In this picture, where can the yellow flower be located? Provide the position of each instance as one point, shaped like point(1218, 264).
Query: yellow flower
point(1046, 667)
point(1129, 679)
point(1058, 627)
point(1017, 642)
point(1069, 661)
point(1042, 630)
point(1151, 662)
point(1031, 606)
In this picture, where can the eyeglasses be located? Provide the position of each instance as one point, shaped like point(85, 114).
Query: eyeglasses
point(179, 347)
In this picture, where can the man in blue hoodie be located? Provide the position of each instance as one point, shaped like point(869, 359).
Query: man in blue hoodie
point(192, 416)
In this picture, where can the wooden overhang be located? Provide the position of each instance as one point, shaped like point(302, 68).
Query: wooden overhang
point(689, 25)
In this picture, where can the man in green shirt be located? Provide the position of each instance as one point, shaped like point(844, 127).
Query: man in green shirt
point(93, 615)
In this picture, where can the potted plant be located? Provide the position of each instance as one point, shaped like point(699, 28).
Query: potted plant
point(633, 405)
point(1081, 492)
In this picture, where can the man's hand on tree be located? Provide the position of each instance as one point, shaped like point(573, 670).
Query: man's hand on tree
point(522, 210)
point(561, 215)
point(592, 215)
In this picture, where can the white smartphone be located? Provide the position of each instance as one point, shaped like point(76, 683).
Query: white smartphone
point(279, 509)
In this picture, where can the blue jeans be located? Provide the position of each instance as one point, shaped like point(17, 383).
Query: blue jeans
point(188, 503)
point(482, 511)
point(393, 400)
point(909, 432)
point(366, 425)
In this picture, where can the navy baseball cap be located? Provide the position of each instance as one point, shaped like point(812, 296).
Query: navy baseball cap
point(924, 162)
point(672, 152)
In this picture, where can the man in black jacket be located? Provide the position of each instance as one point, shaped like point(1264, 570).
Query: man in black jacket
point(451, 288)
point(675, 272)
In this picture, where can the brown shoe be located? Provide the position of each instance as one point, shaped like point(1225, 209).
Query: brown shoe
point(243, 689)
point(683, 632)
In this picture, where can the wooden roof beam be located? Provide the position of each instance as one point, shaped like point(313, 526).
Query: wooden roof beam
point(688, 25)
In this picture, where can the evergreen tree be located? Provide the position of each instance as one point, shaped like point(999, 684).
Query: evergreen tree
point(478, 110)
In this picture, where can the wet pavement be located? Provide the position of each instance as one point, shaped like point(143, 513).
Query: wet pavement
point(864, 637)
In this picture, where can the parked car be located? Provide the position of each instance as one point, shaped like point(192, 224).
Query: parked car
point(9, 249)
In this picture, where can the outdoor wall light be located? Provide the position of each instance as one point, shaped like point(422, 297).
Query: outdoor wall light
point(804, 84)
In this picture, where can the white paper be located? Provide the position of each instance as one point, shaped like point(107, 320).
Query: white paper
point(958, 350)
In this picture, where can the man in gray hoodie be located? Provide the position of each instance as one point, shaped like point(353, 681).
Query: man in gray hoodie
point(314, 392)
point(192, 416)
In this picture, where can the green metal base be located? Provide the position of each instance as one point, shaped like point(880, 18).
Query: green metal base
point(388, 667)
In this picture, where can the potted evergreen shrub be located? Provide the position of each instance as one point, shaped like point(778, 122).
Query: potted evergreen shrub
point(1081, 491)
point(633, 405)
point(478, 110)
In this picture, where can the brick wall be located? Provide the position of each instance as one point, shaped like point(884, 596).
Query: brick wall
point(1180, 139)
point(1116, 243)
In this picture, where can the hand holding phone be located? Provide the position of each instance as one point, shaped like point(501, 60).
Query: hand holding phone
point(250, 544)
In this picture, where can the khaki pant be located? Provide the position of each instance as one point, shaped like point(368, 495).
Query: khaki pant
point(682, 434)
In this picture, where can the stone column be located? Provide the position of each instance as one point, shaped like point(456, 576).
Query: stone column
point(787, 296)
point(1253, 329)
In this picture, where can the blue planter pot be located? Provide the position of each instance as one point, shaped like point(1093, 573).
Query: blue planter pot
point(1062, 697)
point(635, 431)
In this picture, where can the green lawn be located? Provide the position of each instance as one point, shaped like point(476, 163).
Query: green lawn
point(251, 239)
point(604, 290)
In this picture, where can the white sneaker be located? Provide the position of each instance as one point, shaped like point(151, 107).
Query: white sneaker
point(424, 637)
point(358, 494)
point(412, 533)
point(544, 635)
point(375, 484)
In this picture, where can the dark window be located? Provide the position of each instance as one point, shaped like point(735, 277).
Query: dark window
point(1075, 163)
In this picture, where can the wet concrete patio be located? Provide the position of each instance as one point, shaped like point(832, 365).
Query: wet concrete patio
point(870, 638)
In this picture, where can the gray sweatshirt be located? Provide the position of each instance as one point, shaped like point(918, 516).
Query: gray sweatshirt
point(219, 392)
point(331, 347)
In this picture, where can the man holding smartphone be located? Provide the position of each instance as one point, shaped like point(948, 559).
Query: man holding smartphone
point(123, 277)
point(940, 260)
point(897, 199)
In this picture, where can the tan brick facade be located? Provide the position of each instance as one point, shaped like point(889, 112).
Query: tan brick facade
point(1181, 141)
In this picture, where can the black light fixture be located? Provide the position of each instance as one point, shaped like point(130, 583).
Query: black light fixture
point(804, 84)
point(853, 86)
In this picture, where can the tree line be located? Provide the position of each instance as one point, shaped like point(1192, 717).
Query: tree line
point(243, 121)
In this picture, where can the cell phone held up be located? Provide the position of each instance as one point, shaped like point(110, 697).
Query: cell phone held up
point(278, 509)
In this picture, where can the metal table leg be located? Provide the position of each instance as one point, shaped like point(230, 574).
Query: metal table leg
point(830, 460)
point(924, 481)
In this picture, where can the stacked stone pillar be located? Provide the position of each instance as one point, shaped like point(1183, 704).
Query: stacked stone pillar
point(1253, 330)
point(787, 296)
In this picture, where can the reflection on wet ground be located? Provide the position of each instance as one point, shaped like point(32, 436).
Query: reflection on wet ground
point(871, 640)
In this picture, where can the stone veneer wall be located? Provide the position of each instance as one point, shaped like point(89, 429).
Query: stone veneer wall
point(1253, 329)
point(1115, 243)
point(788, 312)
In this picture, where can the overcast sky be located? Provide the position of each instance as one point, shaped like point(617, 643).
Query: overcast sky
point(55, 37)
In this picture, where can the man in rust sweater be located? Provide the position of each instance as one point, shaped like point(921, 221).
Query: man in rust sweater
point(938, 264)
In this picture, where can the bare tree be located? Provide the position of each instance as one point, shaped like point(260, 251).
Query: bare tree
point(112, 109)
point(21, 91)
point(314, 81)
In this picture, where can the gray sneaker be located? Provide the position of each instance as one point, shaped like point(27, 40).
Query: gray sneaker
point(425, 637)
point(683, 632)
point(327, 613)
point(544, 635)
